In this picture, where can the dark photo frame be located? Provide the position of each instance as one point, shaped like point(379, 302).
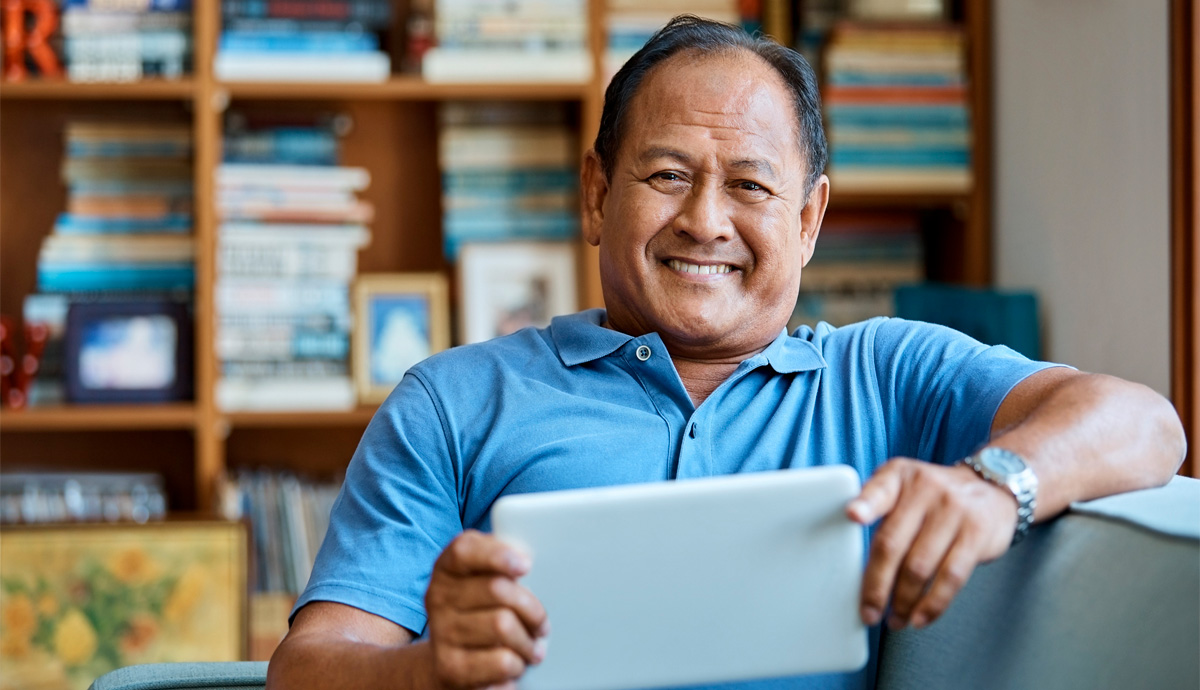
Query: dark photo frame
point(128, 352)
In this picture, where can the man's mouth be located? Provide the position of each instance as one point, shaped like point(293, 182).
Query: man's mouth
point(700, 269)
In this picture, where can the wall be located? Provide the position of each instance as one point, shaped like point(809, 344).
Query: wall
point(1083, 178)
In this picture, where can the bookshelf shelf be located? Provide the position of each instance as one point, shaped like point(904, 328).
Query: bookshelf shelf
point(358, 417)
point(405, 88)
point(100, 417)
point(146, 90)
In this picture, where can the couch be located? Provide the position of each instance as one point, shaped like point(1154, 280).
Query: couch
point(1105, 597)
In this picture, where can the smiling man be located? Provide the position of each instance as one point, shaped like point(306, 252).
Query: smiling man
point(705, 195)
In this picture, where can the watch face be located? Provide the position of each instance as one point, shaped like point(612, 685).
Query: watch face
point(1002, 462)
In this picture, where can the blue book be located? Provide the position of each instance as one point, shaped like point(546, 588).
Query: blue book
point(916, 116)
point(127, 149)
point(509, 182)
point(82, 277)
point(283, 145)
point(143, 6)
point(840, 157)
point(171, 188)
point(473, 227)
point(848, 78)
point(308, 42)
point(73, 224)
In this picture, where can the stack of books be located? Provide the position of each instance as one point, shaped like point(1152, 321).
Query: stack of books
point(517, 40)
point(332, 40)
point(126, 40)
point(509, 171)
point(630, 23)
point(287, 254)
point(896, 106)
point(861, 259)
point(288, 518)
point(126, 232)
point(41, 497)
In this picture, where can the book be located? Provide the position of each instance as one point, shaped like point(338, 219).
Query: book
point(292, 176)
point(330, 393)
point(443, 65)
point(301, 66)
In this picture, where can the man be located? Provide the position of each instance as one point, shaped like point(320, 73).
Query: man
point(705, 196)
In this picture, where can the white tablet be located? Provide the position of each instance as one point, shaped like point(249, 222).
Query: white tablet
point(696, 581)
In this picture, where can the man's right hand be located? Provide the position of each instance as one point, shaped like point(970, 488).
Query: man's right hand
point(484, 628)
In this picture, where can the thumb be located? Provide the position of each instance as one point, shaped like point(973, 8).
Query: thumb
point(878, 495)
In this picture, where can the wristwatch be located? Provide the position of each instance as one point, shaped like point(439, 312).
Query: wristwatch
point(1009, 471)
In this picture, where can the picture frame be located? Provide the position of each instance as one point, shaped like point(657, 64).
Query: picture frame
point(506, 286)
point(128, 351)
point(80, 600)
point(400, 319)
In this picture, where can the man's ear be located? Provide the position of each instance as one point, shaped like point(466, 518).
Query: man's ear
point(594, 190)
point(811, 217)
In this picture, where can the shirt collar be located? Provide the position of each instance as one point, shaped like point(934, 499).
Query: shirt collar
point(581, 338)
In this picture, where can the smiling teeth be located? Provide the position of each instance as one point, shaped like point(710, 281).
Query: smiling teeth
point(684, 267)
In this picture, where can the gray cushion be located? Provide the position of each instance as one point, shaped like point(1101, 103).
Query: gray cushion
point(1087, 601)
point(223, 675)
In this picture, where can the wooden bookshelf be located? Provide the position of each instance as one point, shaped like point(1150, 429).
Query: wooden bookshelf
point(147, 90)
point(405, 88)
point(358, 417)
point(395, 137)
point(99, 417)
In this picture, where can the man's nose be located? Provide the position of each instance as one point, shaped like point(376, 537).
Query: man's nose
point(706, 215)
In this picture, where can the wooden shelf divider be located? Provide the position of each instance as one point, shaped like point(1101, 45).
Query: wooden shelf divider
point(100, 417)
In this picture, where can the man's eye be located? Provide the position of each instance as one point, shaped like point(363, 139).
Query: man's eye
point(752, 186)
point(667, 176)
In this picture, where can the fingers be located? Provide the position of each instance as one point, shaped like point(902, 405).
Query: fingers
point(888, 549)
point(484, 628)
point(473, 553)
point(951, 577)
point(483, 592)
point(879, 494)
point(938, 524)
point(457, 667)
point(488, 629)
point(940, 529)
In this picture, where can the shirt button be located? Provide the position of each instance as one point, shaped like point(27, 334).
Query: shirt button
point(643, 353)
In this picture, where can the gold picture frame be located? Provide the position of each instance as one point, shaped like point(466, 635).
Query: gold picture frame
point(77, 601)
point(400, 319)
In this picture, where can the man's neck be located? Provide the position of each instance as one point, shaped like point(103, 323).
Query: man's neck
point(700, 378)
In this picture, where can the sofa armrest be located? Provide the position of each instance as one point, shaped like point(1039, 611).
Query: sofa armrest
point(209, 675)
point(1104, 597)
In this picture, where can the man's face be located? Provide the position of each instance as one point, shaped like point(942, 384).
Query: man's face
point(704, 226)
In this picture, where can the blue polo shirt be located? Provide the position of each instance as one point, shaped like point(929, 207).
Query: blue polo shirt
point(577, 405)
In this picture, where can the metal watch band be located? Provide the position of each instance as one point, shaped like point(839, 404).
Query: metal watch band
point(1022, 484)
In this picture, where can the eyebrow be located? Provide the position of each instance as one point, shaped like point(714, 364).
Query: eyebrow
point(757, 165)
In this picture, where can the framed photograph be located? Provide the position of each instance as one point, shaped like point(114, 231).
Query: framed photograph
point(507, 286)
point(128, 351)
point(81, 600)
point(400, 319)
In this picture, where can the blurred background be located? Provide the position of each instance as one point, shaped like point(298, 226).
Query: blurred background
point(227, 227)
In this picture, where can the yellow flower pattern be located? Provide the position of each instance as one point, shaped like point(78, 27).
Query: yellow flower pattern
point(74, 638)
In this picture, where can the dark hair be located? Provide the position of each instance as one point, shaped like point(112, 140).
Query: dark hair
point(691, 33)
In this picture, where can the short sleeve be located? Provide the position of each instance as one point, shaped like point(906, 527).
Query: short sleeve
point(396, 511)
point(940, 389)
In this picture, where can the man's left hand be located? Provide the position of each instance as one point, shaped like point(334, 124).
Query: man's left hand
point(938, 524)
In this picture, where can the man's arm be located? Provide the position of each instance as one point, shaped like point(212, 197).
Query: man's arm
point(1084, 435)
point(484, 629)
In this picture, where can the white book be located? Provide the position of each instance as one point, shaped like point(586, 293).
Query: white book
point(348, 236)
point(329, 177)
point(294, 394)
point(448, 65)
point(930, 180)
point(367, 66)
